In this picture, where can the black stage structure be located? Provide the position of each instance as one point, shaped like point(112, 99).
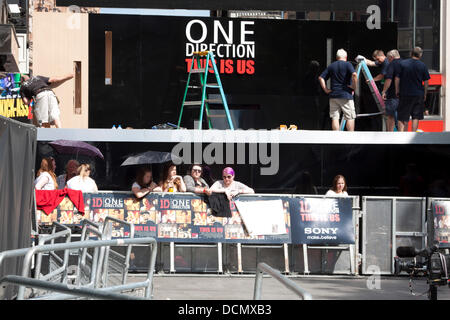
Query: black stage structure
point(268, 68)
point(374, 163)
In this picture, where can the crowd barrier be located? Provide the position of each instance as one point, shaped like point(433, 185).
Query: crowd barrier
point(322, 235)
point(388, 223)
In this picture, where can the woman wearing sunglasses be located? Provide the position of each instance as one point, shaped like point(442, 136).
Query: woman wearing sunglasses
point(83, 182)
point(194, 181)
point(229, 186)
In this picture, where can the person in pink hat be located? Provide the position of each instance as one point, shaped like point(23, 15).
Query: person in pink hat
point(229, 186)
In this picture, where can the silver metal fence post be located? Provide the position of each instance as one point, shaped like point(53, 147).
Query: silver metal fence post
point(151, 270)
point(219, 256)
point(286, 258)
point(352, 258)
point(239, 256)
point(172, 257)
point(394, 234)
point(305, 259)
point(258, 284)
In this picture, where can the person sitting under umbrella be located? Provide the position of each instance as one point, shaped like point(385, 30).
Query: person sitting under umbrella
point(171, 182)
point(194, 182)
point(229, 186)
point(83, 182)
point(71, 171)
point(144, 183)
point(46, 178)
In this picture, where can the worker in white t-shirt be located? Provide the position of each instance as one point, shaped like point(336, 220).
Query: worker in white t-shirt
point(83, 182)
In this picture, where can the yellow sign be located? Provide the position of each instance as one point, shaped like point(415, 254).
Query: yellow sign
point(13, 108)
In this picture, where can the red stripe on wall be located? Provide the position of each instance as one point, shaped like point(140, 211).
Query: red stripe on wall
point(429, 125)
point(436, 80)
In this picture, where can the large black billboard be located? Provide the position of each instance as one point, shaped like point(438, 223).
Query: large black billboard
point(292, 5)
point(268, 68)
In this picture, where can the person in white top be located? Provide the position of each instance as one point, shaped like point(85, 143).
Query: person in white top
point(144, 183)
point(228, 186)
point(46, 178)
point(339, 188)
point(83, 182)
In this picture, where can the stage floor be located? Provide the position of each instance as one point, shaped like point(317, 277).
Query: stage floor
point(245, 136)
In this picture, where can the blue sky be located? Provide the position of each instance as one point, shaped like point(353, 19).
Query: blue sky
point(157, 12)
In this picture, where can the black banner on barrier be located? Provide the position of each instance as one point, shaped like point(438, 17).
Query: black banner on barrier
point(322, 221)
point(187, 218)
point(166, 217)
point(441, 221)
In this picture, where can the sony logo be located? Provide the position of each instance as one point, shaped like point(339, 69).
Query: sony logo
point(321, 230)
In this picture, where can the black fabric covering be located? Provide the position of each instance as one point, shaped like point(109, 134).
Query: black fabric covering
point(17, 157)
point(220, 205)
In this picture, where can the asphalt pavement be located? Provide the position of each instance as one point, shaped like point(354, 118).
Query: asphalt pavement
point(240, 287)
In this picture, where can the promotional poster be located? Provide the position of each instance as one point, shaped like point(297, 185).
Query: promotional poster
point(188, 218)
point(322, 221)
point(441, 220)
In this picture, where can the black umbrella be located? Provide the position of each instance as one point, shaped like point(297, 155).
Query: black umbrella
point(76, 147)
point(150, 157)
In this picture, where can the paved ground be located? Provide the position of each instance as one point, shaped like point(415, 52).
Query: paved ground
point(234, 287)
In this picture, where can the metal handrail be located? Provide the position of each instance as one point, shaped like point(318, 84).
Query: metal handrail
point(288, 283)
point(64, 288)
point(96, 244)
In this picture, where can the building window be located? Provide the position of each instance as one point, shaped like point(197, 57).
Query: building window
point(419, 26)
point(77, 95)
point(108, 57)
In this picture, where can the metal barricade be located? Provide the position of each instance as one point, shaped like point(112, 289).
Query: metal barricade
point(283, 246)
point(264, 268)
point(390, 222)
point(78, 290)
point(173, 245)
point(88, 270)
point(116, 264)
point(57, 265)
point(105, 265)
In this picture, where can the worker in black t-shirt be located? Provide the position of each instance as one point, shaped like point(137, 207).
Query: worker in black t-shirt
point(388, 93)
point(46, 108)
point(411, 86)
point(381, 61)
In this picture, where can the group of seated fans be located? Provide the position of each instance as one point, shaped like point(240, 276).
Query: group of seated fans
point(77, 177)
point(193, 182)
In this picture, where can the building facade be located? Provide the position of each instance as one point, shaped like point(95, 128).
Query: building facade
point(420, 23)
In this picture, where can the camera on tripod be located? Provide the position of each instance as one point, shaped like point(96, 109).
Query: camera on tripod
point(428, 262)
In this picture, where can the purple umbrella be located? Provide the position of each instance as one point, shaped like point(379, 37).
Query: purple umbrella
point(76, 147)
